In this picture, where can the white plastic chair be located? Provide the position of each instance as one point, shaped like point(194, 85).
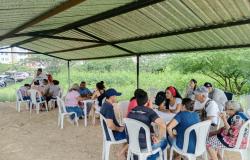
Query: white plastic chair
point(97, 109)
point(248, 112)
point(123, 109)
point(108, 143)
point(53, 101)
point(19, 100)
point(201, 130)
point(85, 110)
point(37, 101)
point(243, 152)
point(63, 113)
point(133, 129)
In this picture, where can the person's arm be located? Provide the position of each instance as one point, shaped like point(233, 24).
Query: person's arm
point(162, 127)
point(113, 127)
point(178, 108)
point(224, 119)
point(94, 96)
point(212, 111)
point(172, 124)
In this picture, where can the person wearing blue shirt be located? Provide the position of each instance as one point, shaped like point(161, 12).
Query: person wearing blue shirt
point(107, 111)
point(181, 122)
point(84, 91)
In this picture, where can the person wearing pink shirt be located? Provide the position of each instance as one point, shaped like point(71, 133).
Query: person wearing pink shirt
point(72, 100)
point(132, 104)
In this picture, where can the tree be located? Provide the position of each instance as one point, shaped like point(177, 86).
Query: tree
point(230, 69)
point(52, 65)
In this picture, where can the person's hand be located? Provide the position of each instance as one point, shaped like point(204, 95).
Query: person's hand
point(223, 115)
point(121, 129)
point(154, 139)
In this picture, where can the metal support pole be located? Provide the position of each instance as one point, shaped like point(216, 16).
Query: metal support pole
point(68, 74)
point(137, 70)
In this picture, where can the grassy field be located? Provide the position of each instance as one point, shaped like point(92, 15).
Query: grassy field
point(123, 81)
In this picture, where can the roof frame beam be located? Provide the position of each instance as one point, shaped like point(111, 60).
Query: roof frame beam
point(18, 52)
point(171, 52)
point(185, 31)
point(60, 8)
point(164, 34)
point(99, 17)
point(41, 53)
point(104, 41)
point(56, 37)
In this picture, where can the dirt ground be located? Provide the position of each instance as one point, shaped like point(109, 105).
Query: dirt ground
point(26, 136)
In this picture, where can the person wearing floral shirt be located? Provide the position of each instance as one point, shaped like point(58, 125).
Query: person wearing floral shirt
point(227, 136)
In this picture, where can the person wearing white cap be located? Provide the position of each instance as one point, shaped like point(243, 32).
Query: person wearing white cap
point(208, 107)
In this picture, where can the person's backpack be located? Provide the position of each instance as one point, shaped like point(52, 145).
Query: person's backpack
point(202, 113)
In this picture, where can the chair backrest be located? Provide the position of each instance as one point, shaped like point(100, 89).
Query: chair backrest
point(229, 95)
point(245, 129)
point(19, 96)
point(106, 130)
point(60, 93)
point(201, 131)
point(248, 112)
point(123, 107)
point(33, 96)
point(133, 128)
point(61, 105)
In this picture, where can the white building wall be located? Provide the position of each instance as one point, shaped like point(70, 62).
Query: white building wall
point(8, 58)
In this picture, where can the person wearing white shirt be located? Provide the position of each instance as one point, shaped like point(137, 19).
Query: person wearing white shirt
point(208, 107)
point(217, 95)
point(173, 99)
point(40, 76)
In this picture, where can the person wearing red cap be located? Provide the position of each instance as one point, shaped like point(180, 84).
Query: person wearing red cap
point(173, 99)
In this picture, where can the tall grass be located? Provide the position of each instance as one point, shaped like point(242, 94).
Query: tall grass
point(123, 81)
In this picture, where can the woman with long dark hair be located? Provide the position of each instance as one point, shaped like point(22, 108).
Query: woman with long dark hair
point(99, 93)
point(173, 99)
point(190, 89)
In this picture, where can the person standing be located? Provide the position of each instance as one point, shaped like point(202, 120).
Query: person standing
point(39, 76)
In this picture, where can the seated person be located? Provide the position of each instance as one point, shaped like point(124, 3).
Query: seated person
point(107, 110)
point(24, 91)
point(207, 108)
point(39, 89)
point(53, 90)
point(133, 102)
point(84, 91)
point(173, 99)
point(184, 119)
point(45, 87)
point(72, 99)
point(164, 113)
point(147, 115)
point(99, 93)
point(227, 136)
point(192, 85)
point(217, 95)
point(50, 79)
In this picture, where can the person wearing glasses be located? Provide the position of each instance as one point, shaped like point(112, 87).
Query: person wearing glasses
point(227, 136)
